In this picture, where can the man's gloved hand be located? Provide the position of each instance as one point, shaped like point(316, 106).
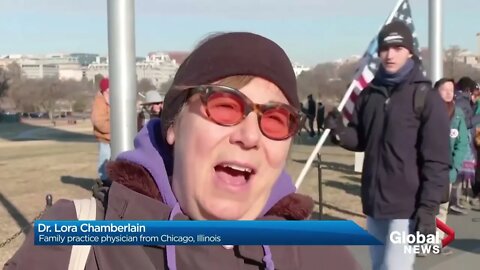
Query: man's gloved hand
point(425, 221)
point(334, 120)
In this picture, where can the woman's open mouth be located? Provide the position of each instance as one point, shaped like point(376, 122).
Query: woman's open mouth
point(234, 174)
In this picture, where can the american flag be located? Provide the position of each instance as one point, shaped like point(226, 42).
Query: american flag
point(369, 63)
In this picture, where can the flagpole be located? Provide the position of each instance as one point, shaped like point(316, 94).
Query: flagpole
point(435, 40)
point(340, 107)
point(122, 73)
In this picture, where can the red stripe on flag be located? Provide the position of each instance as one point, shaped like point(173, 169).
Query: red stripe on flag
point(363, 83)
point(347, 114)
point(353, 97)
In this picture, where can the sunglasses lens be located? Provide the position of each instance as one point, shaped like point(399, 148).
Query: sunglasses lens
point(278, 123)
point(225, 108)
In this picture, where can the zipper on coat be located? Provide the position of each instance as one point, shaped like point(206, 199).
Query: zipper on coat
point(380, 150)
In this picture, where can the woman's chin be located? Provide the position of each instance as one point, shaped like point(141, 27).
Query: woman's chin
point(225, 211)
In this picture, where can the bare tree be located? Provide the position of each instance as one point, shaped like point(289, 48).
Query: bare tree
point(96, 81)
point(3, 82)
point(145, 85)
point(24, 94)
point(80, 105)
point(49, 93)
point(164, 87)
point(326, 80)
point(14, 71)
point(452, 60)
point(8, 76)
point(78, 94)
point(347, 71)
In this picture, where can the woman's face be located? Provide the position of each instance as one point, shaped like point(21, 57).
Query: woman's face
point(475, 95)
point(446, 91)
point(209, 159)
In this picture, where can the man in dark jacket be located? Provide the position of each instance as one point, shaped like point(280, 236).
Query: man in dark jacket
point(311, 111)
point(463, 99)
point(407, 157)
point(320, 117)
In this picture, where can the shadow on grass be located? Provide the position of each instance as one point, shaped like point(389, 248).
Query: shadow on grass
point(333, 166)
point(355, 179)
point(338, 209)
point(347, 187)
point(316, 216)
point(85, 183)
point(339, 167)
point(29, 131)
point(305, 139)
point(19, 218)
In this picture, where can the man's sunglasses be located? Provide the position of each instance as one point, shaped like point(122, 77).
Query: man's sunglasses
point(227, 106)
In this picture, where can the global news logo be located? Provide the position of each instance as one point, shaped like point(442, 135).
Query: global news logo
point(417, 243)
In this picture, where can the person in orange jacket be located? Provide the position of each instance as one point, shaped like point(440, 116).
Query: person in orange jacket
point(101, 126)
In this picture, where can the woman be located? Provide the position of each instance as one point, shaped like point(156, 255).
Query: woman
point(228, 147)
point(465, 98)
point(475, 201)
point(459, 143)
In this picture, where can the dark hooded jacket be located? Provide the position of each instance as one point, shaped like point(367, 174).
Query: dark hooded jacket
point(462, 100)
point(141, 191)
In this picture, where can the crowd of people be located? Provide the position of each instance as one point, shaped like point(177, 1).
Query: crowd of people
point(215, 148)
point(313, 111)
point(418, 140)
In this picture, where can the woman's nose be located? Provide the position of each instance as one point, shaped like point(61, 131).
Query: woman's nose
point(247, 133)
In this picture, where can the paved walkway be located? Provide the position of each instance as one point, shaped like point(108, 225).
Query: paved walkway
point(466, 247)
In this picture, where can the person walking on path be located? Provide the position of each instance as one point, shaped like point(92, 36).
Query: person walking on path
point(320, 117)
point(101, 126)
point(311, 111)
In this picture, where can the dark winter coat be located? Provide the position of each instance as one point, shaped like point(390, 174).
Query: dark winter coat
point(407, 158)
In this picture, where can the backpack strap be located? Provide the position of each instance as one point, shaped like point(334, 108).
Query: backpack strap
point(420, 97)
point(86, 210)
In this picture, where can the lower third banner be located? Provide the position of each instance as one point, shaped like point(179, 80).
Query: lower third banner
point(134, 232)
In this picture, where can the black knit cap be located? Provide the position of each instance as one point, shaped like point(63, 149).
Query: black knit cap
point(230, 54)
point(396, 33)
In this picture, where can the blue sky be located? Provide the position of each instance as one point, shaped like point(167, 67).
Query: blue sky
point(310, 31)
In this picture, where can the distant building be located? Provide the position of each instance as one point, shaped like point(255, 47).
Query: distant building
point(62, 66)
point(85, 59)
point(348, 60)
point(469, 58)
point(39, 71)
point(178, 56)
point(466, 57)
point(298, 69)
point(158, 67)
